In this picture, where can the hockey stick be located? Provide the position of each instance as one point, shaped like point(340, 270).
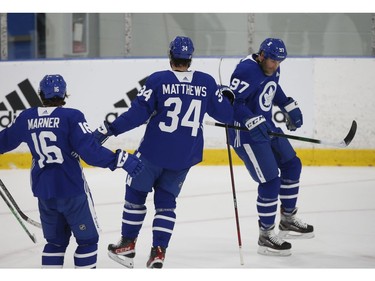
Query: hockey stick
point(343, 143)
point(32, 236)
point(232, 181)
point(22, 214)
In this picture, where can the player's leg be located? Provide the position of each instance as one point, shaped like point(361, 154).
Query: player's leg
point(262, 166)
point(56, 232)
point(290, 171)
point(133, 214)
point(167, 189)
point(82, 219)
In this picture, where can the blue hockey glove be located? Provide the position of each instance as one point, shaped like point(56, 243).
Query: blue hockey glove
point(228, 93)
point(258, 128)
point(293, 114)
point(129, 162)
point(102, 133)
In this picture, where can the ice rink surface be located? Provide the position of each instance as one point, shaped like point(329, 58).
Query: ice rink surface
point(338, 201)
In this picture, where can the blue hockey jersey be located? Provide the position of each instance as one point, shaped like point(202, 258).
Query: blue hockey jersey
point(174, 104)
point(255, 95)
point(57, 137)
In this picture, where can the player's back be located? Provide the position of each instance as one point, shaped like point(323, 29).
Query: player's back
point(174, 135)
point(54, 136)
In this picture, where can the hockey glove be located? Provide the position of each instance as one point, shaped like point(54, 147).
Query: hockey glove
point(293, 114)
point(129, 162)
point(102, 133)
point(228, 93)
point(258, 128)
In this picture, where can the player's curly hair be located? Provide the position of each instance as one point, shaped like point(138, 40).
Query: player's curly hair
point(52, 102)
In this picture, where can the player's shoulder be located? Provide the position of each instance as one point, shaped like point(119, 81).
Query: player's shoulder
point(159, 74)
point(69, 112)
point(203, 76)
point(157, 77)
point(27, 112)
point(248, 68)
point(248, 62)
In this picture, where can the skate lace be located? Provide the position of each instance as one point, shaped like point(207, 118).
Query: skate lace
point(298, 222)
point(274, 238)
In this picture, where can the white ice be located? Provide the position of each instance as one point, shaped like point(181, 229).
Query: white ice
point(338, 201)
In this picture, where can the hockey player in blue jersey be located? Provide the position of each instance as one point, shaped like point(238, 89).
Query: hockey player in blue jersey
point(173, 103)
point(272, 162)
point(57, 138)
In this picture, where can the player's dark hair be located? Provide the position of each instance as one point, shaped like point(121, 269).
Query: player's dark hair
point(179, 62)
point(53, 102)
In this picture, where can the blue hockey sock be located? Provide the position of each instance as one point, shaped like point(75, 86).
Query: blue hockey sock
point(53, 256)
point(86, 256)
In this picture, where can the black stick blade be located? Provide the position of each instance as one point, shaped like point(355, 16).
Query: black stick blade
point(353, 129)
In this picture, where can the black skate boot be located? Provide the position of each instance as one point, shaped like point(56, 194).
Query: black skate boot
point(157, 256)
point(292, 227)
point(270, 244)
point(123, 252)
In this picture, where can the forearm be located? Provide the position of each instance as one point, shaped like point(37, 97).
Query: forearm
point(128, 121)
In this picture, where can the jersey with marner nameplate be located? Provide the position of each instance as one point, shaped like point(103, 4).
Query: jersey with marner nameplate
point(45, 130)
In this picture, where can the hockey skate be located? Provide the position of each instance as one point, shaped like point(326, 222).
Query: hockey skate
point(292, 227)
point(157, 256)
point(272, 245)
point(123, 252)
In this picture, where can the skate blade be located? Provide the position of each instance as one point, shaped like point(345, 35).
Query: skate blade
point(295, 235)
point(262, 250)
point(125, 261)
point(156, 264)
